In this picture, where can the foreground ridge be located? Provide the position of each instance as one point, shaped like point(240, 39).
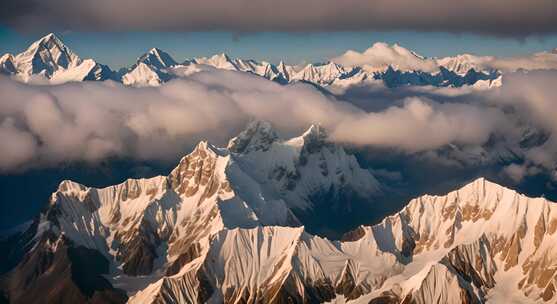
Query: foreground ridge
point(227, 226)
point(145, 229)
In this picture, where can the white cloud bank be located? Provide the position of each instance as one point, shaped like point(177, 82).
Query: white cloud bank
point(91, 121)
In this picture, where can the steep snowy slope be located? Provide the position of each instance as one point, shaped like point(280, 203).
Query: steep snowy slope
point(273, 265)
point(225, 226)
point(298, 168)
point(46, 56)
point(151, 69)
point(143, 75)
point(157, 58)
point(148, 228)
point(470, 246)
point(487, 237)
point(50, 59)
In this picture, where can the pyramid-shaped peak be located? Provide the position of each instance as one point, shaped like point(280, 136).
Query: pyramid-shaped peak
point(50, 41)
point(482, 186)
point(49, 37)
point(48, 54)
point(157, 58)
point(155, 50)
point(259, 135)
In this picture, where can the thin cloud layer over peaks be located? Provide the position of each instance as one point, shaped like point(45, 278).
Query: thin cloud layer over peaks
point(380, 55)
point(498, 17)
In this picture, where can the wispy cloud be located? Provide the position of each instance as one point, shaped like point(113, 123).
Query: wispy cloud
point(380, 55)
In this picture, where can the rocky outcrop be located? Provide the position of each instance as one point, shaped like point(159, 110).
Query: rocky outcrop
point(58, 272)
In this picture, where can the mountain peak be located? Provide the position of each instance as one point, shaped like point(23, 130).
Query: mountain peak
point(206, 146)
point(259, 135)
point(482, 186)
point(314, 136)
point(157, 58)
point(315, 130)
point(49, 41)
point(7, 64)
point(46, 55)
point(313, 139)
point(6, 57)
point(221, 56)
point(49, 37)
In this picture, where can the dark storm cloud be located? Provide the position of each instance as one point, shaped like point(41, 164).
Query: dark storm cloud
point(495, 17)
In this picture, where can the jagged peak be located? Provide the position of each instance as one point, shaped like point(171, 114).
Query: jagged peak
point(221, 57)
point(203, 146)
point(155, 50)
point(70, 186)
point(314, 137)
point(157, 58)
point(259, 135)
point(49, 37)
point(206, 148)
point(49, 41)
point(6, 57)
point(47, 54)
point(315, 132)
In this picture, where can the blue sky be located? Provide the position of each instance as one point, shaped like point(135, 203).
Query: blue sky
point(119, 49)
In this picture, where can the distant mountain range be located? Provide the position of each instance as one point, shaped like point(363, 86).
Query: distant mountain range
point(48, 60)
point(229, 225)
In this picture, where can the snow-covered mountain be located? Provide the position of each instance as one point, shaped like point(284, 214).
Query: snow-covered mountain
point(230, 225)
point(7, 64)
point(157, 58)
point(149, 227)
point(461, 64)
point(151, 69)
point(48, 58)
point(481, 243)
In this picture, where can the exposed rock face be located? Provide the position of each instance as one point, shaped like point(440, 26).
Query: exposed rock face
point(57, 272)
point(274, 265)
point(162, 230)
point(178, 233)
point(225, 226)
